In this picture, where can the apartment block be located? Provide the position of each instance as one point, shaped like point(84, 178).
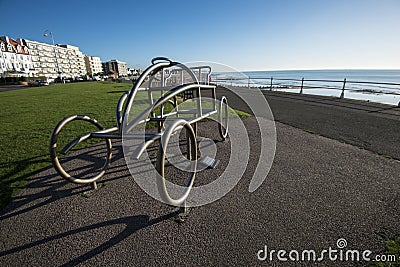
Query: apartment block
point(15, 59)
point(28, 58)
point(55, 61)
point(77, 60)
point(115, 67)
point(93, 65)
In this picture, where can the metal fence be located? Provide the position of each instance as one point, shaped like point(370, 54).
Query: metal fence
point(302, 85)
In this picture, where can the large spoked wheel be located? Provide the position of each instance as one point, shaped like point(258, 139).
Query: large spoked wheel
point(223, 117)
point(76, 158)
point(191, 145)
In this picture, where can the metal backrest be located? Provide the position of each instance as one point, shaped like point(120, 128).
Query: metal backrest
point(160, 77)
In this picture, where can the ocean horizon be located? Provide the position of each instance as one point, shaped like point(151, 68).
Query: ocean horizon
point(375, 85)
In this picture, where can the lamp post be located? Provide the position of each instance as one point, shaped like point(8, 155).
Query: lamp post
point(46, 34)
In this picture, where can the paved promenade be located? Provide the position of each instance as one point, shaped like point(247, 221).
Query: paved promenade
point(5, 88)
point(318, 190)
point(367, 125)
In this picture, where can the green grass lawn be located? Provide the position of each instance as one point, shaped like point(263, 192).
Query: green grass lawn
point(28, 117)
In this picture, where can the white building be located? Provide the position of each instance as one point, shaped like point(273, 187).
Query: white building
point(54, 61)
point(93, 65)
point(15, 59)
point(77, 60)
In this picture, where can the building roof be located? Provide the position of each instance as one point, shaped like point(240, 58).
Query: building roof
point(117, 61)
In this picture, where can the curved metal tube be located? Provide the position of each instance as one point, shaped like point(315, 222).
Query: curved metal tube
point(137, 85)
point(152, 68)
point(53, 153)
point(120, 107)
point(223, 132)
point(153, 61)
point(174, 92)
point(162, 183)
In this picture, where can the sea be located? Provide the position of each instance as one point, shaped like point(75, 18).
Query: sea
point(382, 86)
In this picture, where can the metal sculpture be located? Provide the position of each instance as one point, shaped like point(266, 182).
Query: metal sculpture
point(173, 81)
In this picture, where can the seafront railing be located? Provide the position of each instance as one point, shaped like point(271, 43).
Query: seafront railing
point(302, 85)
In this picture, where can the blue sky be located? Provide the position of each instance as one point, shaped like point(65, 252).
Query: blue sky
point(246, 35)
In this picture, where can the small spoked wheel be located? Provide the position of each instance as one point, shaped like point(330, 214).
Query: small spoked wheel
point(165, 188)
point(223, 118)
point(80, 160)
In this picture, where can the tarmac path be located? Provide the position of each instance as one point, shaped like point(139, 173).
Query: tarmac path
point(367, 125)
point(5, 88)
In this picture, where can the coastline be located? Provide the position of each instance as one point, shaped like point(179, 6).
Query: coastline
point(381, 86)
